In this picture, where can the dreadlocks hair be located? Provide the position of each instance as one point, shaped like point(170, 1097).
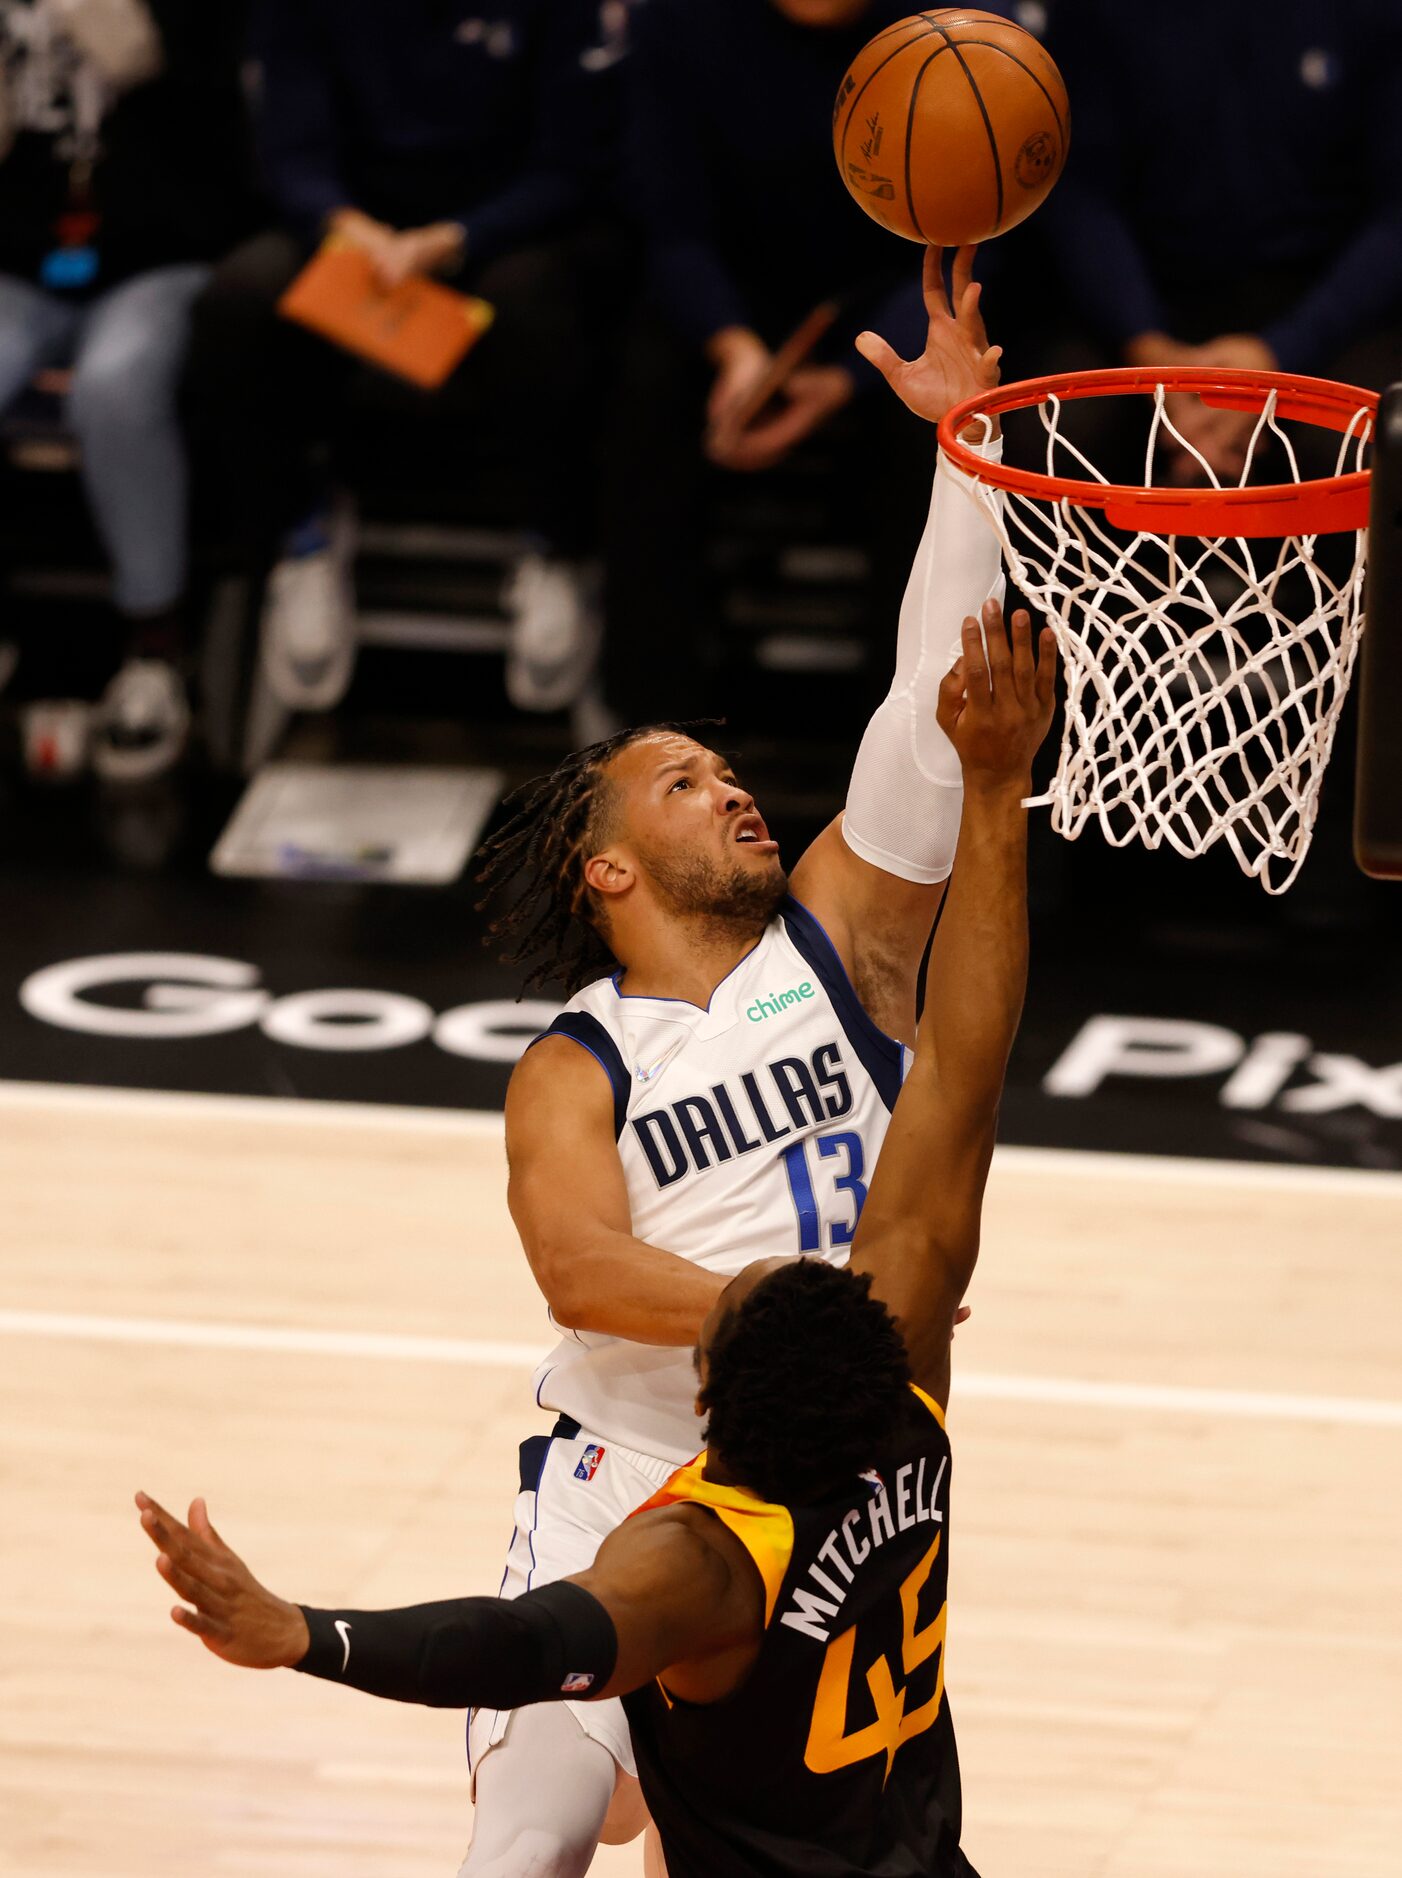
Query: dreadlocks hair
point(804, 1382)
point(559, 821)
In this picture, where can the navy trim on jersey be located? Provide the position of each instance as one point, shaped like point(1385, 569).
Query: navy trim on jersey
point(590, 1035)
point(881, 1056)
point(648, 997)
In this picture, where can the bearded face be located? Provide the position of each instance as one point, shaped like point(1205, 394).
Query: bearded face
point(707, 886)
point(689, 827)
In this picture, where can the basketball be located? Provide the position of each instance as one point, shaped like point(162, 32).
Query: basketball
point(951, 126)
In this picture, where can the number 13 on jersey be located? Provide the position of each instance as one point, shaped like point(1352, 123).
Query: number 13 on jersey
point(836, 1171)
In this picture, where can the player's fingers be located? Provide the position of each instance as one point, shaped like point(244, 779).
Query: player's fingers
point(199, 1625)
point(932, 284)
point(995, 636)
point(949, 701)
point(1048, 658)
point(192, 1554)
point(148, 1505)
point(202, 1525)
point(975, 663)
point(990, 365)
point(186, 1585)
point(1024, 665)
point(876, 351)
point(161, 1535)
point(963, 273)
point(163, 1528)
point(149, 1509)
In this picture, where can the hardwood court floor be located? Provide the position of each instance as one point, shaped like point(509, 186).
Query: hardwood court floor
point(1176, 1613)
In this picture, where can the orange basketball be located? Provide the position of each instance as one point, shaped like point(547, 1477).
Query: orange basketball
point(951, 126)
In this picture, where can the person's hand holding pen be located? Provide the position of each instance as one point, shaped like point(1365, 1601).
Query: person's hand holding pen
point(745, 430)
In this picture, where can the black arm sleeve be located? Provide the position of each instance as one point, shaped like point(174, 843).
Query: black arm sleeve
point(469, 1652)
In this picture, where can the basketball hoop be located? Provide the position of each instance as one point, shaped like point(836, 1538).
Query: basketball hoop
point(1208, 641)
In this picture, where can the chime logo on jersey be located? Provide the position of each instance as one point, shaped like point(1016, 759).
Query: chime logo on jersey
point(589, 1463)
point(788, 1096)
point(779, 1003)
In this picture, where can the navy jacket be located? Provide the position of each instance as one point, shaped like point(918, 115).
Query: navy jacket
point(493, 113)
point(729, 166)
point(1218, 139)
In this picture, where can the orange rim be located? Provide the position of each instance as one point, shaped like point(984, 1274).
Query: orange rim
point(1323, 506)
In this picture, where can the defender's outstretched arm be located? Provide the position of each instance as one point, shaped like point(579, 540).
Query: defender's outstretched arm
point(919, 1230)
point(668, 1586)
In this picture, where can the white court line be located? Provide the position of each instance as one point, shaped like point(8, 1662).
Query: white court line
point(976, 1385)
point(178, 1105)
point(484, 1124)
point(279, 1339)
point(1233, 1404)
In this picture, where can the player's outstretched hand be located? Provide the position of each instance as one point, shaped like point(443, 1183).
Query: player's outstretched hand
point(996, 701)
point(958, 361)
point(234, 1616)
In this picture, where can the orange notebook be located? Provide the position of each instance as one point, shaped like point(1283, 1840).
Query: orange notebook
point(419, 329)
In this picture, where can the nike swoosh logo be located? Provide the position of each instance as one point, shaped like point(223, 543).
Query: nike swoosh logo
point(646, 1075)
point(343, 1632)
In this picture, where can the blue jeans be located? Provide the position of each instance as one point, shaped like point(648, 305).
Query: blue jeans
point(127, 351)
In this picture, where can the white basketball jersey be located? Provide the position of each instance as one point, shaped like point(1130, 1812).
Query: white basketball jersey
point(746, 1129)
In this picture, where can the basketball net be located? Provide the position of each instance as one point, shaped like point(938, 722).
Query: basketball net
point(1204, 677)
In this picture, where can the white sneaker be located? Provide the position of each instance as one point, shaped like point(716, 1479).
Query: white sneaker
point(142, 724)
point(307, 641)
point(555, 633)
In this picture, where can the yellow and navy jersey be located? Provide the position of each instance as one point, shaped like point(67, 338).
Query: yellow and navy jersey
point(835, 1758)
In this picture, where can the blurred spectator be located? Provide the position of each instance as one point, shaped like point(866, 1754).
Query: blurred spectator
point(123, 172)
point(729, 169)
point(444, 140)
point(1232, 193)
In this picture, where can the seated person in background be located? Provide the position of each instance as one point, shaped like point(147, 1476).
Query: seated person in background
point(123, 173)
point(441, 141)
point(1231, 196)
point(729, 171)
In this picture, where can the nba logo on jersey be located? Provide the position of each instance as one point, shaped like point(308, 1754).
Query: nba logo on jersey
point(576, 1683)
point(589, 1462)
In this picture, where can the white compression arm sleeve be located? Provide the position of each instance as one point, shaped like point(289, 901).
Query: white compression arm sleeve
point(907, 791)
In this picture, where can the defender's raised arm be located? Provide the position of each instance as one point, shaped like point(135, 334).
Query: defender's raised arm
point(919, 1231)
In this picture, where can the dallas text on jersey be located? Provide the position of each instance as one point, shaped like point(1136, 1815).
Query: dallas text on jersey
point(700, 1131)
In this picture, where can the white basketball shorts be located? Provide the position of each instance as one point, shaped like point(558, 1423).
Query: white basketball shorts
point(575, 1488)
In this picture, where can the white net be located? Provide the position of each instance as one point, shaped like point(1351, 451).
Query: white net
point(1203, 678)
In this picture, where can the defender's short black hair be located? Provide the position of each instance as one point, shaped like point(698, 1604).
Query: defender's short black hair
point(805, 1380)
